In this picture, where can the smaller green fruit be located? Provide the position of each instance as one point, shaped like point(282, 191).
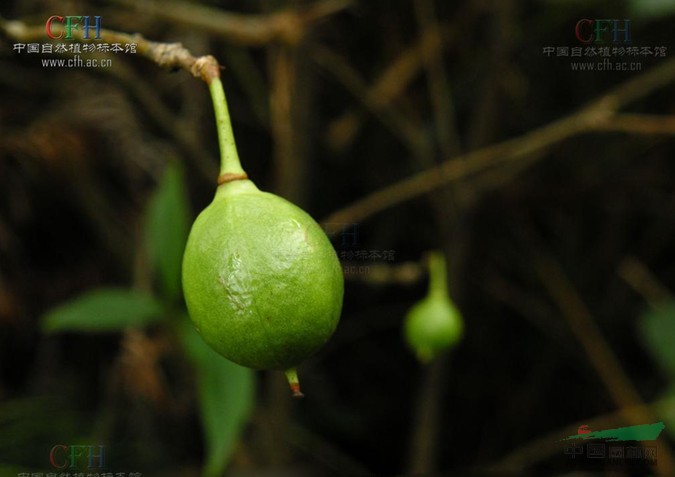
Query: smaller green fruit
point(434, 323)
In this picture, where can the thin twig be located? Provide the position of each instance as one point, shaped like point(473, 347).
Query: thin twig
point(391, 83)
point(403, 273)
point(427, 418)
point(638, 124)
point(643, 281)
point(166, 55)
point(397, 122)
point(591, 118)
point(287, 26)
point(240, 63)
point(397, 76)
point(455, 169)
point(437, 80)
point(486, 111)
point(287, 164)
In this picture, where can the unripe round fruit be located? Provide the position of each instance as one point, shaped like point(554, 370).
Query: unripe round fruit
point(434, 323)
point(262, 282)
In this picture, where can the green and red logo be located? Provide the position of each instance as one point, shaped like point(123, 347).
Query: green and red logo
point(643, 432)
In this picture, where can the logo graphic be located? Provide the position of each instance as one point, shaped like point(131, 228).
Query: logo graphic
point(77, 456)
point(598, 31)
point(643, 432)
point(604, 45)
point(615, 446)
point(584, 429)
point(72, 22)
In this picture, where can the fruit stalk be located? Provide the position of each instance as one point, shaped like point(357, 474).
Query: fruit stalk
point(230, 166)
point(438, 278)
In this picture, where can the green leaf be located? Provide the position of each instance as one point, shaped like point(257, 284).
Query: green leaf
point(658, 330)
point(226, 394)
point(101, 310)
point(167, 227)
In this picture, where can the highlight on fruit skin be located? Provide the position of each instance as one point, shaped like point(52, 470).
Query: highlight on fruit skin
point(434, 323)
point(262, 282)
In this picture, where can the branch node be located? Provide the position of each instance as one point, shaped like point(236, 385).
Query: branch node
point(206, 68)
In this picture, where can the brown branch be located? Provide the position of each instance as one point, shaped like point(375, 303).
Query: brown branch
point(287, 26)
point(322, 10)
point(591, 118)
point(586, 331)
point(388, 86)
point(287, 161)
point(643, 281)
point(499, 76)
point(423, 447)
point(638, 124)
point(455, 169)
point(397, 122)
point(437, 80)
point(241, 64)
point(397, 76)
point(404, 273)
point(166, 55)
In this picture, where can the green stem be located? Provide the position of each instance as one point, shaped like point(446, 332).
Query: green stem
point(438, 278)
point(229, 158)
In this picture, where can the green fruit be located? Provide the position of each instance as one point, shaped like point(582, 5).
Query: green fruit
point(262, 282)
point(434, 323)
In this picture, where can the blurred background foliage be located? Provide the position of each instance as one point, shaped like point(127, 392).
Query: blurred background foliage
point(561, 261)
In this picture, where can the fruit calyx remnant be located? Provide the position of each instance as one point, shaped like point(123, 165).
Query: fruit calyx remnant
point(292, 376)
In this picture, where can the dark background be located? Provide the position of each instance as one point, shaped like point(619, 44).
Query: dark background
point(540, 248)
